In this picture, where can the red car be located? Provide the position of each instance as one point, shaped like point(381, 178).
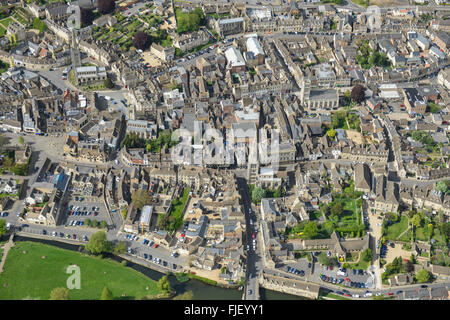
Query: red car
point(347, 279)
point(74, 236)
point(253, 236)
point(347, 295)
point(331, 267)
point(156, 245)
point(389, 293)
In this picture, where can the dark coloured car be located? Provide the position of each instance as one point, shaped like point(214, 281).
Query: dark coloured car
point(309, 265)
point(354, 271)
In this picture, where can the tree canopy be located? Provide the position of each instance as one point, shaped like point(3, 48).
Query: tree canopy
point(189, 21)
point(423, 276)
point(141, 40)
point(59, 294)
point(416, 220)
point(310, 230)
point(2, 227)
point(106, 6)
point(337, 209)
point(366, 255)
point(331, 133)
point(120, 247)
point(324, 259)
point(86, 16)
point(141, 198)
point(39, 25)
point(106, 294)
point(358, 93)
point(443, 186)
point(108, 83)
point(98, 243)
point(164, 285)
point(257, 194)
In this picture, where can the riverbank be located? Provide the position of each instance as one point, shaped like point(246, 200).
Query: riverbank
point(201, 290)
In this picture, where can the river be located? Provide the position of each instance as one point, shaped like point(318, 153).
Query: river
point(202, 291)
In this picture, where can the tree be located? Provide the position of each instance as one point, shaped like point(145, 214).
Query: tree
point(141, 40)
point(21, 140)
point(39, 25)
point(108, 83)
point(94, 223)
point(258, 194)
point(366, 255)
point(103, 224)
point(140, 198)
point(188, 295)
point(106, 6)
point(59, 294)
point(86, 16)
point(430, 230)
point(88, 222)
point(416, 220)
point(443, 186)
point(189, 21)
point(98, 243)
point(310, 230)
point(164, 285)
point(120, 247)
point(324, 259)
point(423, 276)
point(331, 133)
point(106, 294)
point(337, 209)
point(358, 93)
point(2, 227)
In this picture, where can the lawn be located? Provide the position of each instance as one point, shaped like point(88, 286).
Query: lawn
point(334, 296)
point(29, 275)
point(421, 234)
point(363, 265)
point(177, 208)
point(396, 229)
point(5, 22)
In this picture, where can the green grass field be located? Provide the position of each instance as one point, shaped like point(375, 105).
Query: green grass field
point(5, 22)
point(177, 209)
point(28, 275)
point(396, 229)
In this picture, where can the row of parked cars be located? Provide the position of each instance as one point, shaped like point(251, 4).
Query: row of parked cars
point(295, 271)
point(149, 243)
point(67, 236)
point(158, 261)
point(344, 281)
point(73, 223)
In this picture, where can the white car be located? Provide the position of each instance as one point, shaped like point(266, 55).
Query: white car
point(355, 295)
point(368, 294)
